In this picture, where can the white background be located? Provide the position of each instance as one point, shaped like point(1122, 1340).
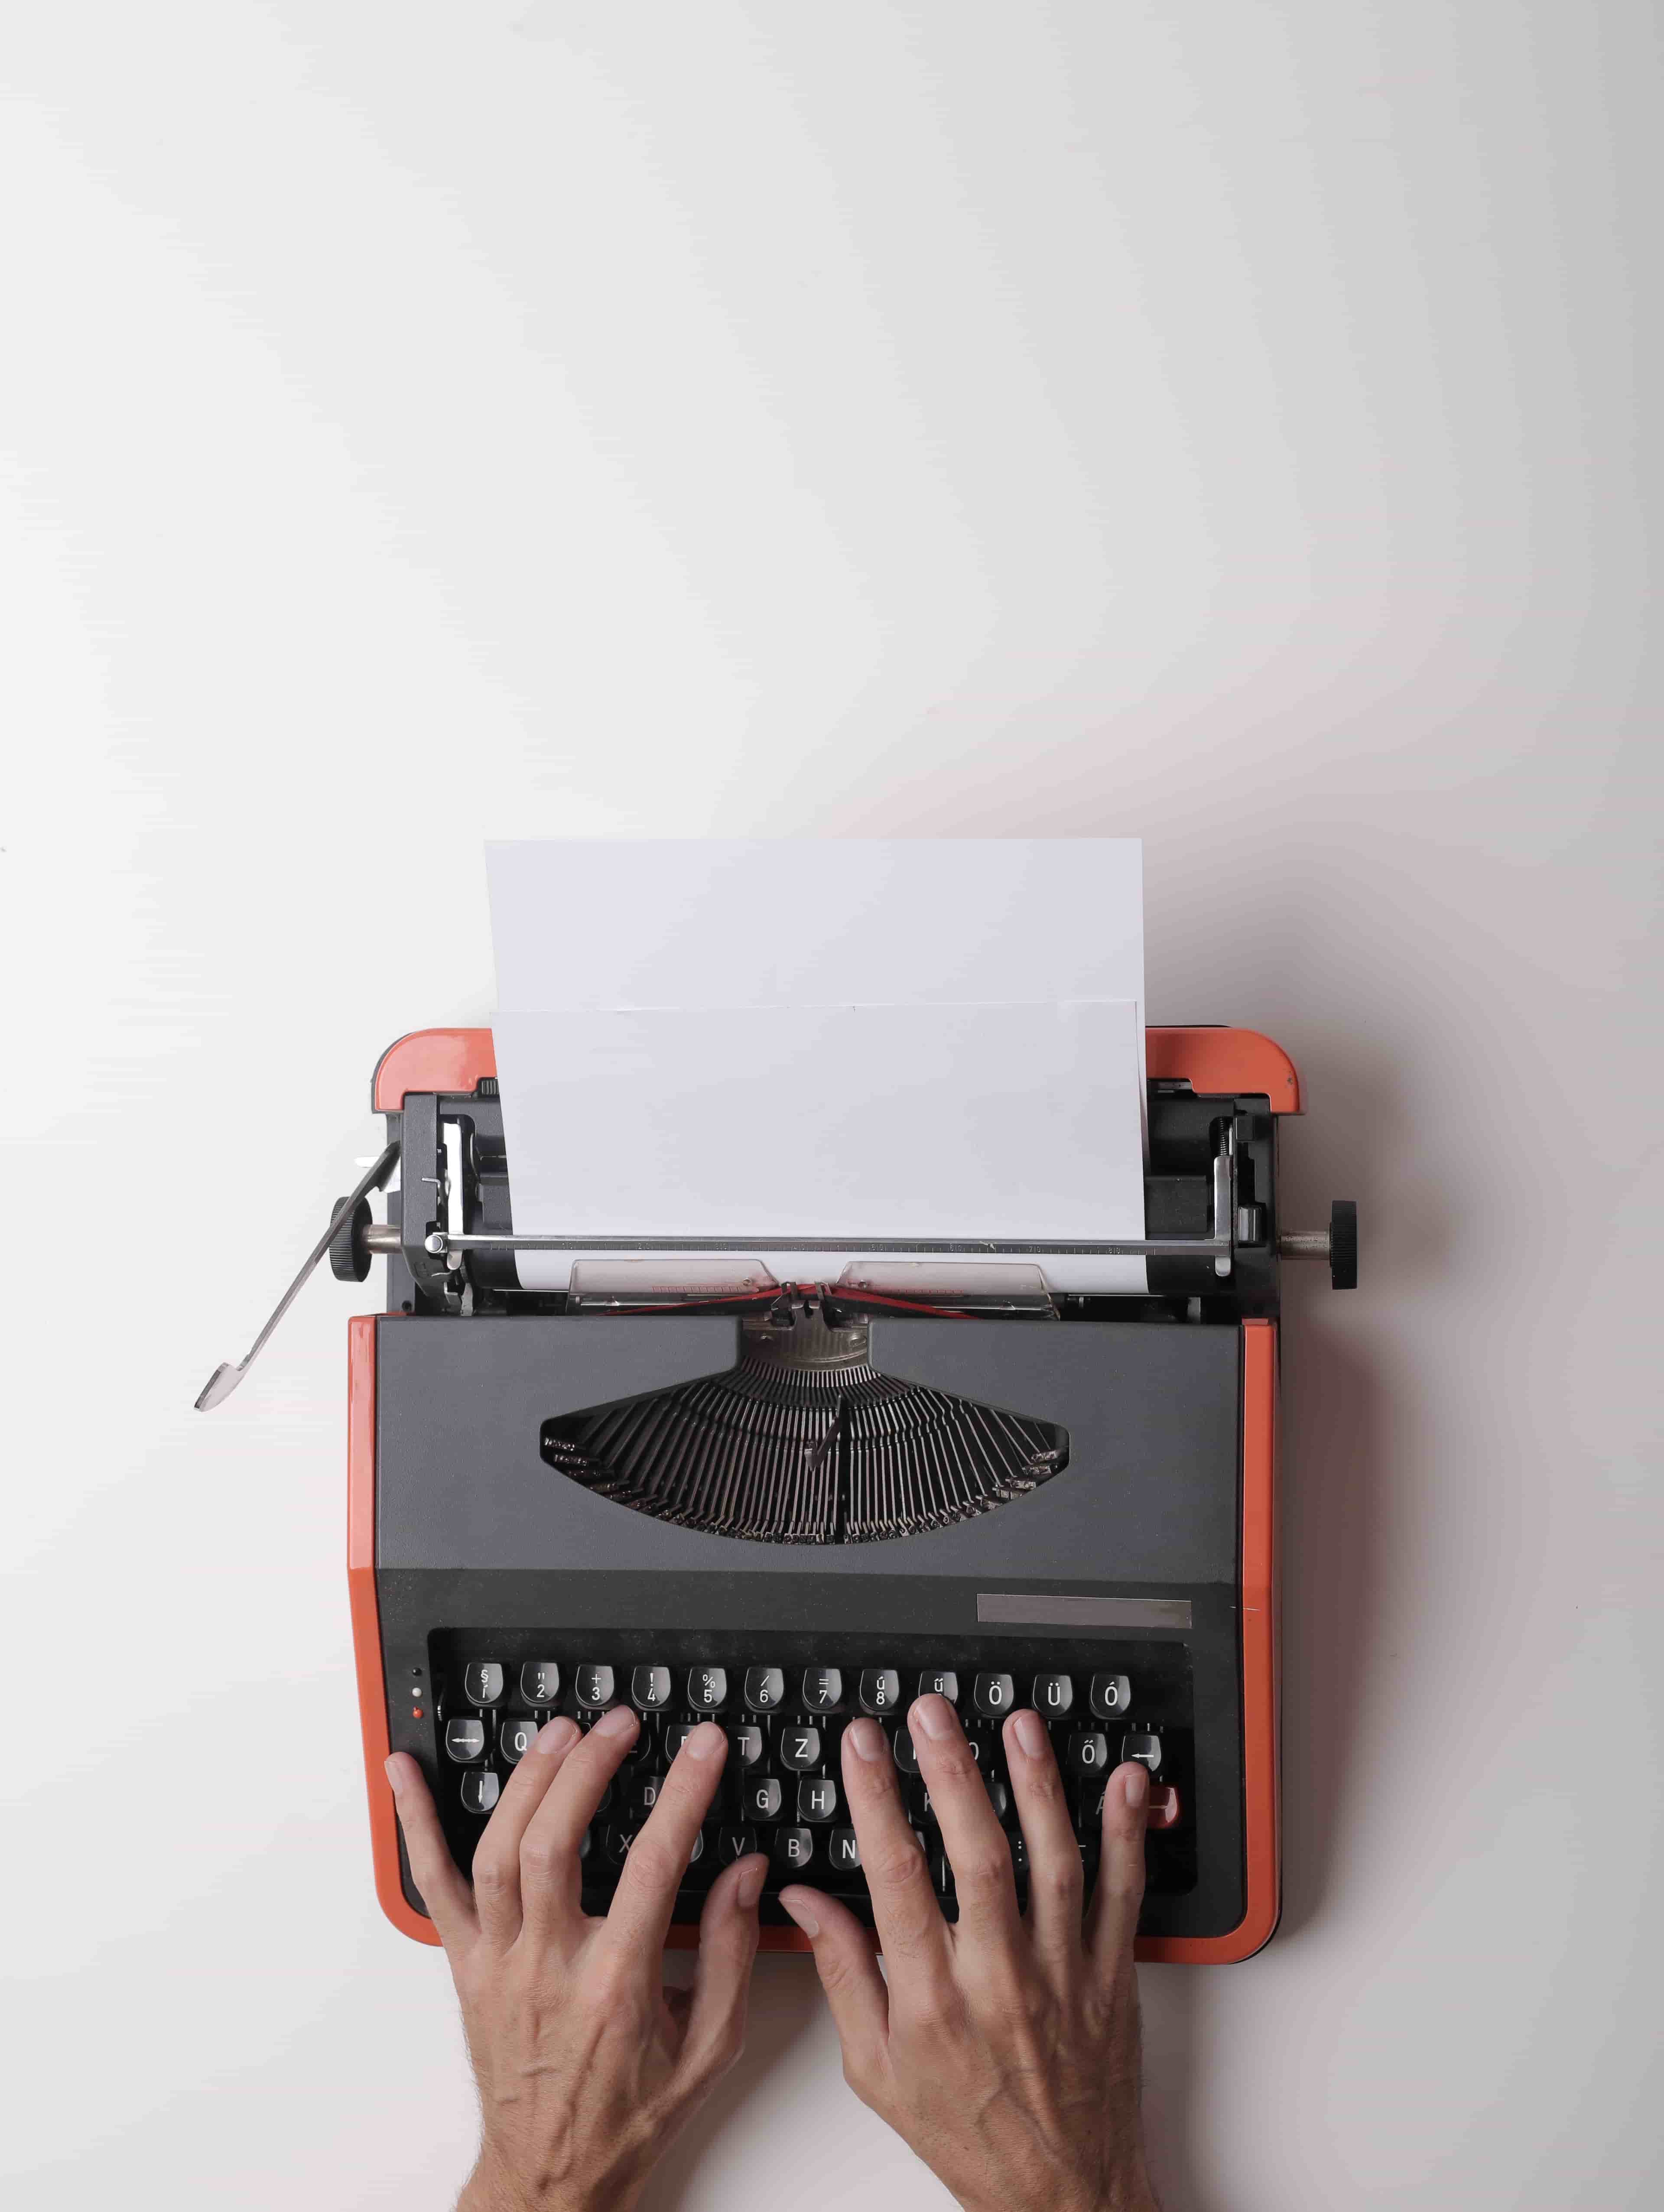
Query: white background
point(1220, 424)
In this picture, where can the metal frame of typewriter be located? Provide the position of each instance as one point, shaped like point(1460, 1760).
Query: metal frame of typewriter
point(1212, 1251)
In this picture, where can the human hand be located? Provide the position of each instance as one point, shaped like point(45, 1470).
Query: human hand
point(586, 2065)
point(1005, 2051)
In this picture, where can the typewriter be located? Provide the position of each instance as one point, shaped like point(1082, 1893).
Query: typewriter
point(780, 1504)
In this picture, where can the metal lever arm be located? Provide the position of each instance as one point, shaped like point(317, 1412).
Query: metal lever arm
point(225, 1378)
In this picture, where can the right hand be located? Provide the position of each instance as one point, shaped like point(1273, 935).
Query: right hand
point(1004, 2050)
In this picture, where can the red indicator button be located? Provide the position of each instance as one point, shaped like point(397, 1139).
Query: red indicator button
point(1163, 1811)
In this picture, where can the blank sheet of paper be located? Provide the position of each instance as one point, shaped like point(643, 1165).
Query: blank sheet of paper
point(910, 1038)
point(605, 922)
point(933, 1123)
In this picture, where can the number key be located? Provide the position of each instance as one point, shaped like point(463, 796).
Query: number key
point(483, 1682)
point(880, 1690)
point(595, 1687)
point(540, 1681)
point(707, 1689)
point(650, 1688)
point(765, 1688)
point(822, 1689)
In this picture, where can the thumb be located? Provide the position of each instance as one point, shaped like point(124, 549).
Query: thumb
point(847, 1960)
point(722, 1977)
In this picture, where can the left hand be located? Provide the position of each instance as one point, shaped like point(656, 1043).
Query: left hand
point(586, 2065)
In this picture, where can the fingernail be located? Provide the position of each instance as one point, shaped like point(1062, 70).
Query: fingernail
point(1030, 1734)
point(707, 1742)
point(933, 1715)
point(621, 1721)
point(867, 1737)
point(1135, 1787)
point(748, 1887)
point(797, 1903)
point(394, 1772)
point(557, 1734)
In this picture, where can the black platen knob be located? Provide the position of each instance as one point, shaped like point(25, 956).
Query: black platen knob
point(1343, 1244)
point(349, 1255)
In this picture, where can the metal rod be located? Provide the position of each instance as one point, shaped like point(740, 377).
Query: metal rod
point(1303, 1244)
point(1156, 1248)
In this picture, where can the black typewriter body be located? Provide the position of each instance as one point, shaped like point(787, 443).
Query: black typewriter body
point(520, 1551)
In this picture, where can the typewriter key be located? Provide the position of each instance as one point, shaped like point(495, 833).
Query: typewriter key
point(540, 1681)
point(744, 1745)
point(1054, 1694)
point(817, 1799)
point(1111, 1694)
point(616, 1843)
point(480, 1790)
point(650, 1688)
point(1146, 1749)
point(642, 1796)
point(800, 1746)
point(881, 1690)
point(733, 1844)
point(822, 1689)
point(518, 1735)
point(907, 1759)
point(1089, 1752)
point(483, 1682)
point(762, 1798)
point(794, 1849)
point(993, 1694)
point(707, 1689)
point(765, 1688)
point(844, 1852)
point(465, 1740)
point(943, 1683)
point(594, 1686)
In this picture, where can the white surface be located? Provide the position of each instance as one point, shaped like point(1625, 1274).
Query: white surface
point(929, 1123)
point(1219, 424)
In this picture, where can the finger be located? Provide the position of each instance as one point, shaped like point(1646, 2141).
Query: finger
point(909, 1921)
point(1113, 1921)
point(639, 1918)
point(551, 1882)
point(728, 1935)
point(976, 1843)
point(848, 1964)
point(1054, 1874)
point(444, 1891)
point(497, 1859)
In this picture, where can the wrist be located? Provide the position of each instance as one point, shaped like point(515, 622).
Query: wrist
point(492, 2187)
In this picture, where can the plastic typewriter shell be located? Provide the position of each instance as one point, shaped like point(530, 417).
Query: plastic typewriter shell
point(1216, 1063)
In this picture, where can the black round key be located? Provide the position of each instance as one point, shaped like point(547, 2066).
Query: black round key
point(763, 1797)
point(939, 1682)
point(1054, 1694)
point(480, 1790)
point(793, 1848)
point(745, 1745)
point(1111, 1694)
point(844, 1852)
point(698, 1850)
point(642, 1796)
point(594, 1686)
point(616, 1842)
point(650, 1688)
point(733, 1844)
point(675, 1735)
point(817, 1798)
point(822, 1689)
point(880, 1691)
point(999, 1797)
point(465, 1740)
point(540, 1681)
point(1089, 1752)
point(994, 1695)
point(708, 1689)
point(907, 1759)
point(516, 1736)
point(483, 1682)
point(765, 1688)
point(1146, 1749)
point(799, 1746)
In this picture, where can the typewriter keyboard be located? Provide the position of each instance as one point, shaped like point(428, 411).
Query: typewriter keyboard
point(784, 1702)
